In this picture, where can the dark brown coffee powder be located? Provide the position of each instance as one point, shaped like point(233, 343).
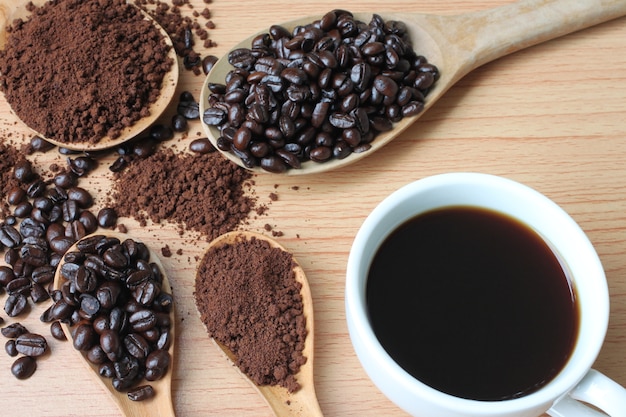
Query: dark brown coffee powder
point(203, 193)
point(9, 156)
point(77, 70)
point(250, 302)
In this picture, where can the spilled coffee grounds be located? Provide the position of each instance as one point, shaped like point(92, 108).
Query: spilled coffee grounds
point(79, 70)
point(8, 158)
point(200, 192)
point(250, 302)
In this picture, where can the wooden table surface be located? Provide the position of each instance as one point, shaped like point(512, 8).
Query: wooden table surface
point(552, 116)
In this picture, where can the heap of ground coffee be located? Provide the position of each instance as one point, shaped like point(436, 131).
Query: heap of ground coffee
point(79, 70)
point(249, 301)
point(200, 192)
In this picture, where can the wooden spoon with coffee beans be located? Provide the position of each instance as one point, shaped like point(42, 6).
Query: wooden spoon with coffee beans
point(455, 44)
point(14, 9)
point(303, 402)
point(142, 335)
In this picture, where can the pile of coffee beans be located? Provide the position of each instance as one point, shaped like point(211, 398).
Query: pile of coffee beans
point(321, 91)
point(119, 314)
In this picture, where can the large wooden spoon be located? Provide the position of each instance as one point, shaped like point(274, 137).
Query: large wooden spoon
point(302, 403)
point(14, 9)
point(456, 45)
point(161, 404)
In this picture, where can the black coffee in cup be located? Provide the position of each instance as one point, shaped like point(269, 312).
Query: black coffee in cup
point(473, 303)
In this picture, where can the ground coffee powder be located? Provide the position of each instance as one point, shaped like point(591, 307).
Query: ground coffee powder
point(77, 70)
point(250, 302)
point(9, 156)
point(200, 192)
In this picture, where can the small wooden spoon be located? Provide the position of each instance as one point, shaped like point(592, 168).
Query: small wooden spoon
point(302, 403)
point(161, 404)
point(456, 45)
point(14, 9)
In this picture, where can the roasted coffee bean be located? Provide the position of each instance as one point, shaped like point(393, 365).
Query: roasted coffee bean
point(6, 275)
point(81, 196)
point(10, 348)
point(141, 393)
point(119, 164)
point(40, 145)
point(22, 210)
point(9, 236)
point(16, 195)
point(190, 110)
point(115, 257)
point(38, 293)
point(23, 171)
point(86, 280)
point(137, 346)
point(31, 344)
point(89, 221)
point(84, 336)
point(201, 146)
point(65, 179)
point(96, 355)
point(179, 123)
point(57, 331)
point(15, 304)
point(36, 188)
point(13, 330)
point(24, 367)
point(81, 165)
point(142, 320)
point(61, 310)
point(208, 62)
point(89, 306)
point(61, 244)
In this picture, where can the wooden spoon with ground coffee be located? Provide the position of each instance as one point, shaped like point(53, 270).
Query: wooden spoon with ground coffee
point(105, 84)
point(454, 44)
point(145, 345)
point(256, 265)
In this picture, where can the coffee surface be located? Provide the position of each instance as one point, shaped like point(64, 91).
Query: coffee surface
point(472, 303)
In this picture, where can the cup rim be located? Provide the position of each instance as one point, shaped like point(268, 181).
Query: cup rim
point(375, 359)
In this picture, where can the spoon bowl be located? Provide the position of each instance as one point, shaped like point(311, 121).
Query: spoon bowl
point(17, 9)
point(456, 44)
point(161, 404)
point(303, 402)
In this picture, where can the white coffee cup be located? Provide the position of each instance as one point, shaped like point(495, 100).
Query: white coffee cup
point(575, 385)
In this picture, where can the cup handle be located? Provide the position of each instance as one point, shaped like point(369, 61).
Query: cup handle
point(597, 390)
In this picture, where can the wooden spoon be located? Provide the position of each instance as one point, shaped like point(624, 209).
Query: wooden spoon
point(14, 9)
point(161, 404)
point(456, 45)
point(302, 403)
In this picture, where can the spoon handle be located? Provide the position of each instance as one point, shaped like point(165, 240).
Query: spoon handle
point(491, 34)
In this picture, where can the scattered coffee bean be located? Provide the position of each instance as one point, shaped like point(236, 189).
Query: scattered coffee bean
point(10, 348)
point(24, 367)
point(31, 344)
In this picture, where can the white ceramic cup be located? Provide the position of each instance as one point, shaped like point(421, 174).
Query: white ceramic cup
point(574, 386)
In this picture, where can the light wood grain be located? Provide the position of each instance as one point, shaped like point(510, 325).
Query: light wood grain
point(551, 116)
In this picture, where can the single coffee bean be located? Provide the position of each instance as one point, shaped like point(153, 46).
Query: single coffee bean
point(141, 393)
point(15, 304)
point(13, 330)
point(31, 344)
point(10, 348)
point(23, 367)
point(57, 331)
